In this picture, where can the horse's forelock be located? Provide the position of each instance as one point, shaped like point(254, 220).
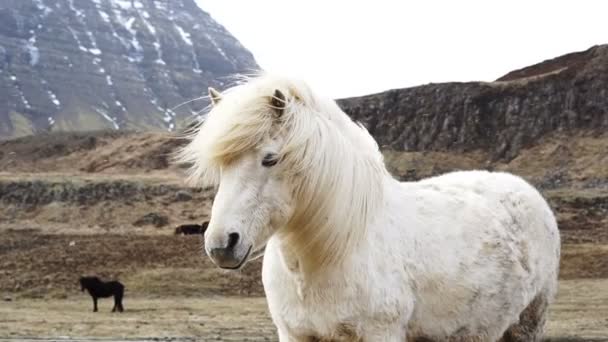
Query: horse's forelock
point(339, 166)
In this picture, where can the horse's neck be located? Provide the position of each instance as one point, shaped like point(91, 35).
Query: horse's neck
point(291, 262)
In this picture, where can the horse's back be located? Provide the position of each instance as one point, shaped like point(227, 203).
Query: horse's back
point(107, 289)
point(501, 209)
point(491, 247)
point(116, 286)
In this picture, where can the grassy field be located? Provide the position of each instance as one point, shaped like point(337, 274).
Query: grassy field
point(69, 204)
point(579, 314)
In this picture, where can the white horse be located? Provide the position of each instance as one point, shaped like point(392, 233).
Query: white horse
point(350, 253)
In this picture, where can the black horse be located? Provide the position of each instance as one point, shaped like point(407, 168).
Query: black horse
point(100, 289)
point(188, 229)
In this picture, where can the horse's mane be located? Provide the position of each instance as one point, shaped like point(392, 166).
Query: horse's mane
point(89, 280)
point(335, 164)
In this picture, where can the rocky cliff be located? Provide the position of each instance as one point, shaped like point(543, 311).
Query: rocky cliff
point(115, 64)
point(501, 117)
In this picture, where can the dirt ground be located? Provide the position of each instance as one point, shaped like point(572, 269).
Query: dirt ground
point(579, 314)
point(69, 203)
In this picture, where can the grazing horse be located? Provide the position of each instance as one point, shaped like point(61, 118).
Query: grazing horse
point(350, 253)
point(191, 229)
point(100, 289)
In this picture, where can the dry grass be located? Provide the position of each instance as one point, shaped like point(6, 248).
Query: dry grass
point(580, 314)
point(225, 319)
point(33, 264)
point(172, 290)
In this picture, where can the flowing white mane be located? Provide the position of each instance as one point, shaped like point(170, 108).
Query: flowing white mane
point(336, 166)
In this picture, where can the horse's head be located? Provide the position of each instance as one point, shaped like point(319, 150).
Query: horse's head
point(86, 282)
point(239, 148)
point(83, 283)
point(280, 158)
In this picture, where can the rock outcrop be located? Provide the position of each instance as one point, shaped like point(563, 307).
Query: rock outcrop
point(501, 117)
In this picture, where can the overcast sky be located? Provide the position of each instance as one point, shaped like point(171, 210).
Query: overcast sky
point(348, 48)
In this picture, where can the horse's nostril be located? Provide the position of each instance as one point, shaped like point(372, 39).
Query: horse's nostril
point(233, 239)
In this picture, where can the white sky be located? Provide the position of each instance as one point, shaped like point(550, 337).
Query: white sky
point(349, 48)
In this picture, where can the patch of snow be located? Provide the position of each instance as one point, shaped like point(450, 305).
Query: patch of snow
point(197, 66)
point(160, 5)
point(23, 99)
point(218, 48)
point(187, 38)
point(109, 80)
point(154, 101)
point(138, 54)
point(104, 16)
point(31, 48)
point(53, 98)
point(79, 14)
point(13, 78)
point(46, 10)
point(185, 35)
point(123, 4)
point(75, 36)
point(51, 121)
point(119, 104)
point(149, 26)
point(107, 117)
point(102, 70)
point(129, 25)
point(94, 50)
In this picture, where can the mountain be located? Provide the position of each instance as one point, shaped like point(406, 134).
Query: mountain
point(115, 64)
point(502, 117)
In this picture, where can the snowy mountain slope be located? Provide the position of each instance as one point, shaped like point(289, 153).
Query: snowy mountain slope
point(120, 64)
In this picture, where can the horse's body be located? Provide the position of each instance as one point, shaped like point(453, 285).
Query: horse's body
point(456, 257)
point(191, 229)
point(350, 253)
point(99, 289)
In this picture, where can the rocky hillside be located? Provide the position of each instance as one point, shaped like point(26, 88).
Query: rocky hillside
point(501, 117)
point(109, 64)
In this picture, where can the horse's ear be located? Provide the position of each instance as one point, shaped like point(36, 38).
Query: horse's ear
point(278, 102)
point(215, 96)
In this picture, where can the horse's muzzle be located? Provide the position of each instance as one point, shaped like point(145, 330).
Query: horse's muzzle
point(227, 257)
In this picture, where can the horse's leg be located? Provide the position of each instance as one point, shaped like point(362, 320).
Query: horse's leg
point(118, 298)
point(94, 304)
point(531, 322)
point(118, 303)
point(283, 336)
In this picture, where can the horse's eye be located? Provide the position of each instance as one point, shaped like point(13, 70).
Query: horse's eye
point(270, 159)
